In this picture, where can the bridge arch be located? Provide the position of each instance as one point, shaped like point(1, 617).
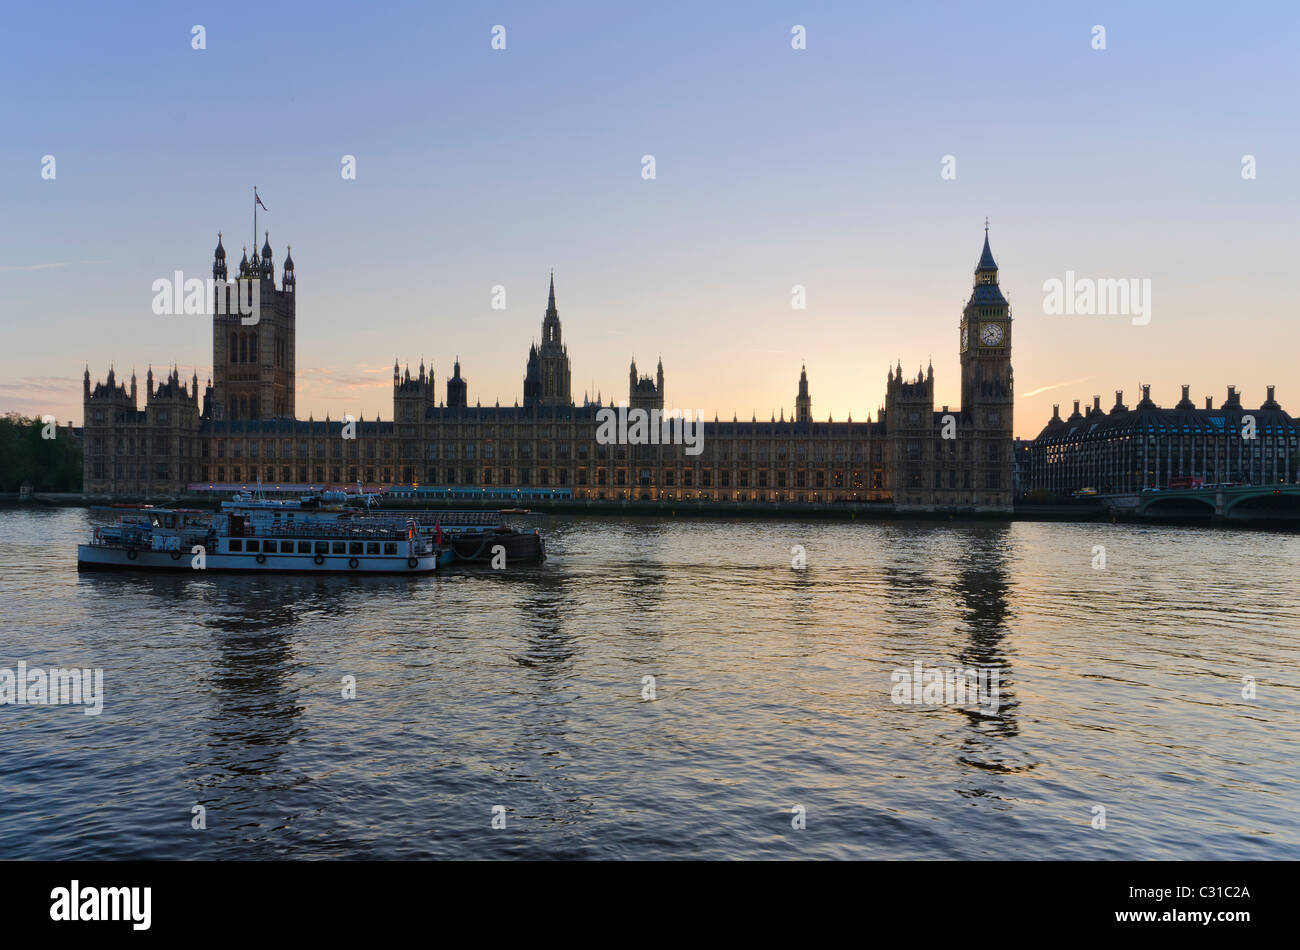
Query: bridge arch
point(1200, 505)
point(1275, 502)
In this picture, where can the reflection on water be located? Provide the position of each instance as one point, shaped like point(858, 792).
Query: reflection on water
point(522, 689)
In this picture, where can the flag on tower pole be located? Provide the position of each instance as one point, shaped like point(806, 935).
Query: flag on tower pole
point(257, 200)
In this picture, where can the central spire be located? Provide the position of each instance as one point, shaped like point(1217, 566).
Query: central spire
point(547, 378)
point(551, 322)
point(987, 263)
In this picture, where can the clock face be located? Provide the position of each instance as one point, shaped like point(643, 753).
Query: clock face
point(965, 336)
point(991, 334)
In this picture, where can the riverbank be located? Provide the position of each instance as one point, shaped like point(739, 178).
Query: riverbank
point(1084, 513)
point(867, 511)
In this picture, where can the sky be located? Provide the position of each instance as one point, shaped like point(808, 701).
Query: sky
point(822, 167)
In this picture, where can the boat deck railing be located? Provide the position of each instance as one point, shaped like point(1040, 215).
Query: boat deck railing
point(448, 519)
point(350, 530)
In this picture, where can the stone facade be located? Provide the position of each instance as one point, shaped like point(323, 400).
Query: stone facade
point(1123, 451)
point(912, 454)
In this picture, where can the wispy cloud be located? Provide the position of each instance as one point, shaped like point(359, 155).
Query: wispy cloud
point(342, 381)
point(50, 266)
point(1043, 389)
point(34, 385)
point(8, 267)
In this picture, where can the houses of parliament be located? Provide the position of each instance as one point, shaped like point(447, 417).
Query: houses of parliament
point(244, 428)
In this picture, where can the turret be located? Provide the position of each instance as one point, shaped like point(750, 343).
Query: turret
point(457, 389)
point(267, 271)
point(802, 401)
point(219, 261)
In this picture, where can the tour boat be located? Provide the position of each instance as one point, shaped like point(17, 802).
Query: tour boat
point(463, 536)
point(185, 539)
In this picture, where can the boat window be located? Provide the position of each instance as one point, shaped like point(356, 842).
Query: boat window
point(252, 545)
point(356, 547)
point(269, 547)
point(322, 547)
point(304, 547)
point(390, 547)
point(372, 547)
point(340, 547)
point(236, 544)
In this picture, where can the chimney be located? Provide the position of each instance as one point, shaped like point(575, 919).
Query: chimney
point(1096, 404)
point(1076, 407)
point(1270, 392)
point(1185, 389)
point(1146, 393)
point(1232, 393)
point(1209, 402)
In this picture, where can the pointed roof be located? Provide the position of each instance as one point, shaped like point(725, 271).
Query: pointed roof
point(986, 258)
point(550, 299)
point(987, 292)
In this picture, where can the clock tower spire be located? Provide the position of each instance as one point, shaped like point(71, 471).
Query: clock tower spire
point(985, 334)
point(987, 390)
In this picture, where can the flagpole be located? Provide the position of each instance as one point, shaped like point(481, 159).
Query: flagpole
point(254, 220)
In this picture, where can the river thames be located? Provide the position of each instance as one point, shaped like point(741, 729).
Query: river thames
point(670, 688)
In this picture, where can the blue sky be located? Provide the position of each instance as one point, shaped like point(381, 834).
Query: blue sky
point(775, 167)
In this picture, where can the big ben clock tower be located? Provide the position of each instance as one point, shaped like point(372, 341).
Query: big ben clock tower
point(986, 385)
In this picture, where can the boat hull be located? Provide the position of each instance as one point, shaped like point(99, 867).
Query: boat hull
point(93, 557)
point(477, 547)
